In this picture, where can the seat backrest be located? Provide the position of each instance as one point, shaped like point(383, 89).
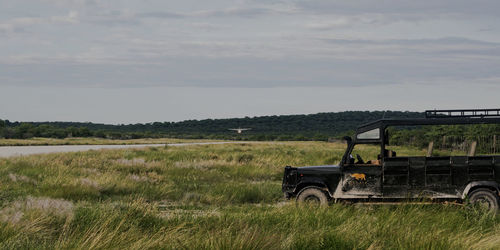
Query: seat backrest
point(472, 150)
point(430, 149)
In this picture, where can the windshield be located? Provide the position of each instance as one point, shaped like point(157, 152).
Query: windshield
point(373, 134)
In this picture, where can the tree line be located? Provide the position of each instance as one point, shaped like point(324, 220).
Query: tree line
point(318, 127)
point(321, 126)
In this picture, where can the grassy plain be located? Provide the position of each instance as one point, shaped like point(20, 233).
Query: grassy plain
point(89, 141)
point(209, 197)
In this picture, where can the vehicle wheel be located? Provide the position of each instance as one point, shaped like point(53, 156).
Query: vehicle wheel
point(312, 196)
point(485, 199)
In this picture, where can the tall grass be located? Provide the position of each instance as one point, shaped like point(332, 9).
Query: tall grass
point(206, 197)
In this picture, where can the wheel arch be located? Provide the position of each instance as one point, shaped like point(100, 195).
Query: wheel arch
point(491, 185)
point(317, 184)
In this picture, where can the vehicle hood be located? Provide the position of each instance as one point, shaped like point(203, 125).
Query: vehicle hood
point(322, 168)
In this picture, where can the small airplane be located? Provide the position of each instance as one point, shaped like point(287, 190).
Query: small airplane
point(239, 130)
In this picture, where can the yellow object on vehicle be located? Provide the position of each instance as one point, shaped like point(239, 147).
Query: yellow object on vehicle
point(359, 177)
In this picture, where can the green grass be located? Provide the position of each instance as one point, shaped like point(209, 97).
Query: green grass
point(205, 197)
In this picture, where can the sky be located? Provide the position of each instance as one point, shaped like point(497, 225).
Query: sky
point(129, 61)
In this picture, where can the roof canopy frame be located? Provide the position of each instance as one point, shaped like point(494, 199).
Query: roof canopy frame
point(433, 117)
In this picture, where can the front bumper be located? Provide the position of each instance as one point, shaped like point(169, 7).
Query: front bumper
point(289, 182)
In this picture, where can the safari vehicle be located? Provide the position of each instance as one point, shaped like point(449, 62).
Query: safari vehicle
point(392, 177)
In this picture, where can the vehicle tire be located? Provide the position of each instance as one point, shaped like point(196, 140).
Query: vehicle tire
point(485, 198)
point(312, 196)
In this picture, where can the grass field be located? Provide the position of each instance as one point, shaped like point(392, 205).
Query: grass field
point(209, 197)
point(89, 141)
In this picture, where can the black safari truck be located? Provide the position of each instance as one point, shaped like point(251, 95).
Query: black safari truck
point(392, 177)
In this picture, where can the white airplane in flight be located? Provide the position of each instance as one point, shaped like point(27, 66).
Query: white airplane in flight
point(239, 130)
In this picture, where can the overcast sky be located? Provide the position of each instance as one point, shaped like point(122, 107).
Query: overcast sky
point(134, 61)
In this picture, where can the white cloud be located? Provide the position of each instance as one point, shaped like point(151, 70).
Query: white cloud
point(264, 47)
point(74, 3)
point(235, 12)
point(267, 44)
point(21, 23)
point(334, 22)
point(424, 7)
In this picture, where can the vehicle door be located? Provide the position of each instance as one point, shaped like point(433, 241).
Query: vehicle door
point(361, 177)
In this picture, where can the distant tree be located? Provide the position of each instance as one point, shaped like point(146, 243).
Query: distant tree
point(8, 133)
point(84, 132)
point(25, 131)
point(44, 130)
point(114, 135)
point(2, 128)
point(100, 134)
